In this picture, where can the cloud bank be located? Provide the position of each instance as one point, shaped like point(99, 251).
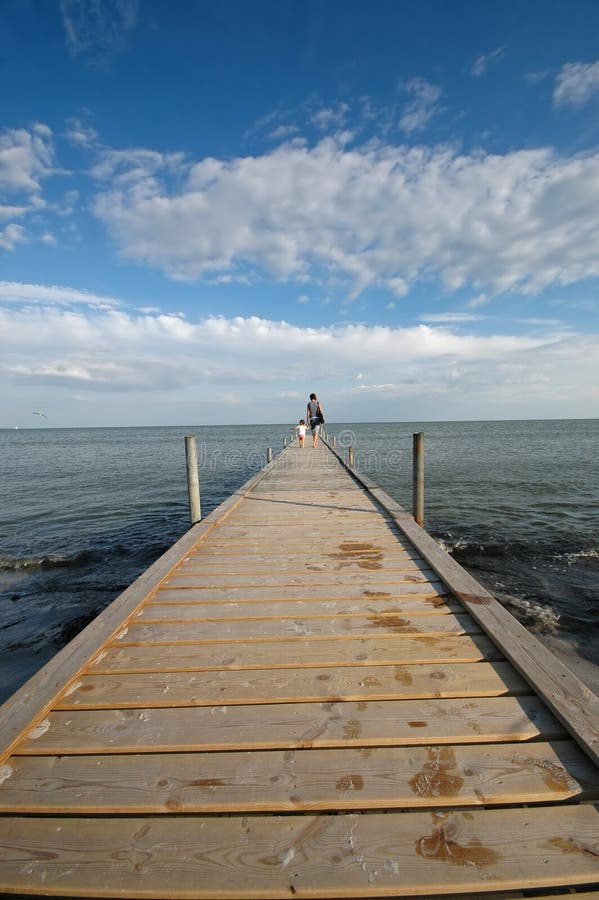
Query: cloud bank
point(365, 371)
point(355, 217)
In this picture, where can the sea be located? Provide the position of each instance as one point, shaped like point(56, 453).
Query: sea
point(84, 511)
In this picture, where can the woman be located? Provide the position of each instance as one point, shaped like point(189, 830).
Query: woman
point(313, 415)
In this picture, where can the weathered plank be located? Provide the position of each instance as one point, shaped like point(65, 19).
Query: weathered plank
point(292, 685)
point(289, 725)
point(309, 580)
point(275, 654)
point(338, 562)
point(233, 631)
point(349, 855)
point(188, 610)
point(208, 593)
point(275, 780)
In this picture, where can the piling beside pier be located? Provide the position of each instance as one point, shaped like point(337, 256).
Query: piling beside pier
point(305, 696)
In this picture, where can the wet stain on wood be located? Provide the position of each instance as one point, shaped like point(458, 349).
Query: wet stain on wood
point(370, 681)
point(474, 599)
point(403, 676)
point(555, 777)
point(438, 777)
point(366, 752)
point(417, 724)
point(435, 601)
point(394, 623)
point(441, 845)
point(352, 730)
point(377, 595)
point(569, 845)
point(350, 783)
point(439, 675)
point(364, 556)
point(207, 782)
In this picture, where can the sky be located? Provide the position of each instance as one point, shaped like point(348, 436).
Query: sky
point(209, 210)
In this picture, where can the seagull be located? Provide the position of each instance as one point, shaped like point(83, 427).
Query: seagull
point(37, 413)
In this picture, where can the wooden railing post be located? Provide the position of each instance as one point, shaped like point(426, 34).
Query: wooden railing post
point(269, 454)
point(193, 481)
point(334, 441)
point(350, 452)
point(418, 478)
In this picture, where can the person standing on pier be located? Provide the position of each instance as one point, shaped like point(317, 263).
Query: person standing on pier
point(315, 417)
point(301, 431)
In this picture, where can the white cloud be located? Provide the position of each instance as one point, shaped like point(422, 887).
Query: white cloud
point(15, 292)
point(26, 157)
point(12, 212)
point(576, 84)
point(422, 107)
point(11, 236)
point(349, 218)
point(302, 299)
point(282, 132)
point(81, 135)
point(449, 317)
point(480, 300)
point(482, 63)
point(331, 117)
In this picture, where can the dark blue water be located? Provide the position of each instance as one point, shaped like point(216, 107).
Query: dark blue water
point(84, 511)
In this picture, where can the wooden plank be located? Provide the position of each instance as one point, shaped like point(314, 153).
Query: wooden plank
point(309, 580)
point(292, 685)
point(290, 725)
point(276, 780)
point(333, 560)
point(208, 594)
point(335, 530)
point(328, 543)
point(243, 630)
point(215, 550)
point(342, 564)
point(158, 611)
point(272, 654)
point(350, 855)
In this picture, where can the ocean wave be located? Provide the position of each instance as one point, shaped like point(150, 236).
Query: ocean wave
point(52, 561)
point(573, 557)
point(540, 619)
point(566, 550)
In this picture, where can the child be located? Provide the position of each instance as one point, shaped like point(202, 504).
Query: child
point(301, 431)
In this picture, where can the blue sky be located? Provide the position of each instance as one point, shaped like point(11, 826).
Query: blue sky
point(208, 210)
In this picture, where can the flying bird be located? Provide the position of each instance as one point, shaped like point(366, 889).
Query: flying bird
point(38, 413)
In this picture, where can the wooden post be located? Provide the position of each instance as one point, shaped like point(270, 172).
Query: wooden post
point(193, 481)
point(350, 451)
point(334, 440)
point(284, 442)
point(418, 478)
point(269, 454)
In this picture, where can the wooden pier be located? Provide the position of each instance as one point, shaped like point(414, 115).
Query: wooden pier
point(304, 697)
